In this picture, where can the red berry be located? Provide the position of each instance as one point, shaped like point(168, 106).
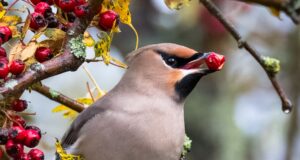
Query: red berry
point(37, 21)
point(215, 61)
point(5, 33)
point(67, 5)
point(24, 156)
point(14, 149)
point(81, 10)
point(2, 52)
point(79, 2)
point(35, 2)
point(32, 139)
point(4, 135)
point(107, 20)
point(19, 105)
point(18, 134)
point(18, 120)
point(43, 54)
point(1, 153)
point(4, 60)
point(34, 128)
point(17, 67)
point(4, 70)
point(36, 154)
point(43, 8)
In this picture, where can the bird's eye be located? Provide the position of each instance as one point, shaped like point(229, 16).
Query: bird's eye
point(171, 61)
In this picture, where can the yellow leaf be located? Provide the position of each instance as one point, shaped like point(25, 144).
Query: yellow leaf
point(26, 26)
point(88, 40)
point(11, 19)
point(102, 48)
point(54, 34)
point(15, 32)
point(118, 63)
point(23, 52)
point(55, 44)
point(69, 113)
point(63, 154)
point(2, 11)
point(176, 4)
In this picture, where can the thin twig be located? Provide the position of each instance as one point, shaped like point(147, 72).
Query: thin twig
point(58, 97)
point(90, 92)
point(285, 6)
point(212, 8)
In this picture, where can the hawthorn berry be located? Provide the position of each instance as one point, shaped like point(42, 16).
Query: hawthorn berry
point(4, 70)
point(4, 60)
point(14, 149)
point(43, 8)
point(5, 33)
point(215, 61)
point(16, 67)
point(34, 128)
point(19, 105)
point(37, 21)
point(35, 2)
point(2, 52)
point(18, 120)
point(36, 154)
point(24, 156)
point(32, 138)
point(81, 10)
point(4, 135)
point(67, 5)
point(107, 20)
point(43, 54)
point(17, 133)
point(79, 2)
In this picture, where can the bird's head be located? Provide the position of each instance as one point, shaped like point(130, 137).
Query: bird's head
point(171, 68)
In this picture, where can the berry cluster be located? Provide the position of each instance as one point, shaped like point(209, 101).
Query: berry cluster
point(16, 134)
point(17, 66)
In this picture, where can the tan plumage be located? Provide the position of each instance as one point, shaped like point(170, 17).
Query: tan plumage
point(142, 117)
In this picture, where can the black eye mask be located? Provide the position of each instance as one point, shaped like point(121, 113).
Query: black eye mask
point(177, 62)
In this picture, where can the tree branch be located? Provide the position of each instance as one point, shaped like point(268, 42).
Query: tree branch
point(58, 97)
point(212, 8)
point(60, 64)
point(287, 6)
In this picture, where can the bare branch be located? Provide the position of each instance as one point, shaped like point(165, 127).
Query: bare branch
point(58, 97)
point(286, 6)
point(63, 63)
point(212, 8)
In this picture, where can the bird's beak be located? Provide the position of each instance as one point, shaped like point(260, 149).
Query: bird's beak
point(200, 65)
point(205, 63)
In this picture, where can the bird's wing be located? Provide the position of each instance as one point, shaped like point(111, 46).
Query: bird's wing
point(72, 134)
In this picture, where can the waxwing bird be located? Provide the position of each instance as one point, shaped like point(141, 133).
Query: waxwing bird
point(142, 117)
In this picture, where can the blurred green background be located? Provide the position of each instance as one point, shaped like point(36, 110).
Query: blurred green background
point(234, 114)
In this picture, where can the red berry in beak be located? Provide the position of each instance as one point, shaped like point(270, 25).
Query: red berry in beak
point(37, 21)
point(17, 67)
point(18, 120)
point(24, 156)
point(107, 20)
point(43, 8)
point(67, 5)
point(14, 149)
point(43, 54)
point(215, 61)
point(81, 10)
point(4, 70)
point(32, 139)
point(19, 105)
point(4, 136)
point(2, 52)
point(36, 154)
point(5, 34)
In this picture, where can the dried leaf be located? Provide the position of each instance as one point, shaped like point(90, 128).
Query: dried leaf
point(15, 31)
point(11, 20)
point(176, 4)
point(23, 52)
point(26, 26)
point(55, 45)
point(55, 34)
point(118, 63)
